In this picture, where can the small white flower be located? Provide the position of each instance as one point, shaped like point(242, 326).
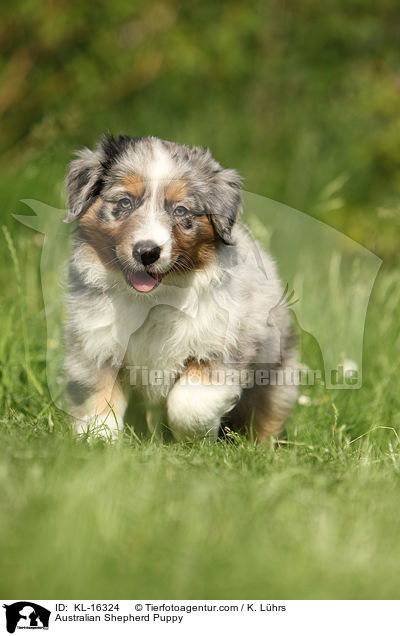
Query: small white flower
point(304, 400)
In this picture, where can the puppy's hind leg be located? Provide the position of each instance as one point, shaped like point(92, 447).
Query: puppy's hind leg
point(155, 420)
point(273, 411)
point(263, 410)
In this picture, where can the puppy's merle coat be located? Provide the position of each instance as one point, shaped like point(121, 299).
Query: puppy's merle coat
point(163, 279)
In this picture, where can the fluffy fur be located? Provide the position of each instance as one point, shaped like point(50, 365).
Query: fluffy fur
point(164, 279)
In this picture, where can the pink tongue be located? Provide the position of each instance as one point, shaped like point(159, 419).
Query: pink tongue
point(142, 281)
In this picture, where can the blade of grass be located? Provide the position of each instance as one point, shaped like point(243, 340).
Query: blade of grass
point(14, 258)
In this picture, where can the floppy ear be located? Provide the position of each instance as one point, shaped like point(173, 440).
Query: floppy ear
point(83, 182)
point(226, 203)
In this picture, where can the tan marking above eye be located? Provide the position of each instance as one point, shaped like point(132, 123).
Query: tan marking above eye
point(176, 191)
point(133, 184)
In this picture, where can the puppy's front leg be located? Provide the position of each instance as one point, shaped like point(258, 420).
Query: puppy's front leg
point(98, 404)
point(198, 400)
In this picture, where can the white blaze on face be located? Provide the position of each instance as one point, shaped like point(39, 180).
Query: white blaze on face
point(155, 227)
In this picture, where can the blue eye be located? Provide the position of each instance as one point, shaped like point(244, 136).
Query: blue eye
point(125, 203)
point(180, 211)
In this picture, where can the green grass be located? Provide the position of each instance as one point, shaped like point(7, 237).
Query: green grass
point(144, 520)
point(315, 516)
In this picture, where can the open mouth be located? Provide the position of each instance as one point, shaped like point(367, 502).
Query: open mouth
point(144, 281)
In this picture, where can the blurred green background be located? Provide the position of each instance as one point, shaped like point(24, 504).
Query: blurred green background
point(302, 98)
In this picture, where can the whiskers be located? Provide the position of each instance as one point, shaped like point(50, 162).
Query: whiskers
point(184, 263)
point(113, 261)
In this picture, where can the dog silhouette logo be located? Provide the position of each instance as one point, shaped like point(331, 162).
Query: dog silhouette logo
point(26, 615)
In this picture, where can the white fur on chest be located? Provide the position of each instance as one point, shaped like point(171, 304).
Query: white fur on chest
point(170, 335)
point(159, 332)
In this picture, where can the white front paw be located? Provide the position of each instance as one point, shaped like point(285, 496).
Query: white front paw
point(195, 411)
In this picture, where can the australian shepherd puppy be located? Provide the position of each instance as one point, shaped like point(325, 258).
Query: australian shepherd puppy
point(170, 296)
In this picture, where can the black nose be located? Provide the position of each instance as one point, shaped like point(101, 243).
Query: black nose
point(146, 252)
